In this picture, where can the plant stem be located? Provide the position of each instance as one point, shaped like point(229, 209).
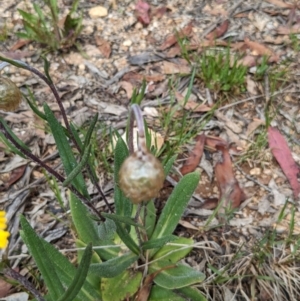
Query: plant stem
point(137, 114)
point(21, 279)
point(51, 171)
point(49, 82)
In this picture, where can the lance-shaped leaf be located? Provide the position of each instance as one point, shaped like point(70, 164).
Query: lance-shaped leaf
point(162, 294)
point(121, 287)
point(79, 277)
point(113, 267)
point(79, 167)
point(89, 133)
point(176, 205)
point(43, 262)
point(175, 277)
point(65, 150)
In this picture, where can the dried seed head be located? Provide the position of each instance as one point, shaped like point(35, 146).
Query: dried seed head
point(141, 177)
point(10, 95)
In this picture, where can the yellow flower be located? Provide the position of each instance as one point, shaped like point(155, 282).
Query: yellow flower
point(3, 234)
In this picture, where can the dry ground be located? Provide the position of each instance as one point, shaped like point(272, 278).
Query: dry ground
point(117, 53)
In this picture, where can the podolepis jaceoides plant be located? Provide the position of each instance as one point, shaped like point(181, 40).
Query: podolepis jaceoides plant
point(128, 254)
point(48, 29)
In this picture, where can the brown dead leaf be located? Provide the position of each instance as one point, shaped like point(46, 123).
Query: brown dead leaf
point(260, 49)
point(229, 189)
point(159, 12)
point(253, 126)
point(19, 44)
point(211, 142)
point(173, 51)
point(248, 61)
point(194, 156)
point(134, 77)
point(280, 3)
point(104, 46)
point(251, 85)
point(215, 10)
point(15, 175)
point(172, 68)
point(191, 105)
point(187, 225)
point(283, 155)
point(127, 87)
point(142, 11)
point(4, 288)
point(219, 31)
point(235, 127)
point(172, 39)
point(196, 107)
point(277, 40)
point(17, 55)
point(287, 30)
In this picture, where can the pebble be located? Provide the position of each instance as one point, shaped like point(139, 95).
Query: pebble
point(98, 12)
point(127, 43)
point(255, 171)
point(249, 184)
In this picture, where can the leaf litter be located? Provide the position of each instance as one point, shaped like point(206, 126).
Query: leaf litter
point(147, 38)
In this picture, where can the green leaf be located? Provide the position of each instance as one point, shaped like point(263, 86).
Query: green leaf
point(176, 205)
point(113, 267)
point(127, 239)
point(91, 279)
point(162, 294)
point(28, 17)
point(79, 277)
point(150, 217)
point(177, 277)
point(192, 293)
point(123, 204)
point(87, 229)
point(43, 262)
point(158, 243)
point(35, 109)
point(46, 69)
point(174, 253)
point(89, 133)
point(65, 150)
point(79, 167)
point(76, 135)
point(8, 143)
point(122, 219)
point(121, 287)
point(139, 97)
point(168, 165)
point(66, 271)
point(107, 230)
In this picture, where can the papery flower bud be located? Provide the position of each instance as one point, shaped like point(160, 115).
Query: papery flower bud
point(141, 177)
point(10, 95)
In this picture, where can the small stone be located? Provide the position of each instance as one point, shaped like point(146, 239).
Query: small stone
point(249, 184)
point(255, 171)
point(98, 12)
point(81, 67)
point(127, 43)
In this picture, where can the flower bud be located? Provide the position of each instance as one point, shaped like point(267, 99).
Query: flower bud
point(141, 177)
point(10, 95)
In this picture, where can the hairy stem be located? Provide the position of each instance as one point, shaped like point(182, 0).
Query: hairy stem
point(49, 82)
point(137, 114)
point(8, 272)
point(51, 171)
